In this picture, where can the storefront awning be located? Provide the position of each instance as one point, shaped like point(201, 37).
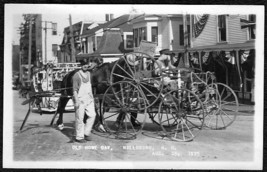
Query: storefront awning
point(86, 56)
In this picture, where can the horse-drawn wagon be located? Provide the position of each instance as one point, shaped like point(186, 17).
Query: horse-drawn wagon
point(132, 89)
point(198, 100)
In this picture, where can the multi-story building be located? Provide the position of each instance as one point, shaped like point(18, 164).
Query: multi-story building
point(52, 28)
point(165, 30)
point(108, 40)
point(45, 38)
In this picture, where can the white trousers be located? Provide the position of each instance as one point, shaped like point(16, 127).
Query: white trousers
point(81, 128)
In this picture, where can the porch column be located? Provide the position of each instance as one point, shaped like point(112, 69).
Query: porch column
point(241, 87)
point(199, 59)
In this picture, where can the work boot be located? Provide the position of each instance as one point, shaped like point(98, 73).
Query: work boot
point(80, 141)
point(60, 126)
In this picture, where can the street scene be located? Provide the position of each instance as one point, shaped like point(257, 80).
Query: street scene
point(138, 85)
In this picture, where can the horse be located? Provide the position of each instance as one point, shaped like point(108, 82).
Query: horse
point(100, 82)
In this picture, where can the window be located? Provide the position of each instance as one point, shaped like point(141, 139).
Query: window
point(181, 29)
point(139, 34)
point(222, 28)
point(251, 29)
point(54, 49)
point(135, 31)
point(154, 34)
point(54, 28)
point(128, 40)
point(98, 40)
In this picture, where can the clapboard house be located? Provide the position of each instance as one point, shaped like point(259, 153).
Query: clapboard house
point(229, 41)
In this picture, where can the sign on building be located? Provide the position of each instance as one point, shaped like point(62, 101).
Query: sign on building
point(147, 47)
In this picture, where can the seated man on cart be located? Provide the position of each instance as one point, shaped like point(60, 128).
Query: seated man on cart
point(169, 71)
point(164, 63)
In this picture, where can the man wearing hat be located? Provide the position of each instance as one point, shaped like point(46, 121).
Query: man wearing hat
point(84, 102)
point(164, 63)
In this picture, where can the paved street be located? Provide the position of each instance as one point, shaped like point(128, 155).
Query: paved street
point(40, 142)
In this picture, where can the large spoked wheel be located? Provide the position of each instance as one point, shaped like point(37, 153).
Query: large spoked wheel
point(181, 115)
point(222, 108)
point(123, 110)
point(139, 68)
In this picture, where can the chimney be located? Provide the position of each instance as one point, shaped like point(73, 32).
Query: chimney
point(111, 16)
point(107, 17)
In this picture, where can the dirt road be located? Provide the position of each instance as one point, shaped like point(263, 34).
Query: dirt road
point(40, 142)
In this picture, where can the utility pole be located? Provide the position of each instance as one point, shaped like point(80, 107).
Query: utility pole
point(73, 59)
point(20, 68)
point(45, 42)
point(30, 49)
point(185, 40)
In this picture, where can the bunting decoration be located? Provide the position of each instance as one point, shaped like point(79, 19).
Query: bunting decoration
point(205, 57)
point(199, 24)
point(193, 59)
point(230, 58)
point(246, 23)
point(244, 56)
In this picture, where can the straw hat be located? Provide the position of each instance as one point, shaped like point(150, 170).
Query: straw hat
point(164, 51)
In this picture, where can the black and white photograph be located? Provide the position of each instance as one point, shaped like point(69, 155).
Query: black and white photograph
point(102, 86)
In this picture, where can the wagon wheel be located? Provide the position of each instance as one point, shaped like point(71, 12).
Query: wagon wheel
point(181, 115)
point(153, 114)
point(223, 108)
point(123, 107)
point(139, 69)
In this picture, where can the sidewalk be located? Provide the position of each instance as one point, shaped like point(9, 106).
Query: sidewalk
point(245, 109)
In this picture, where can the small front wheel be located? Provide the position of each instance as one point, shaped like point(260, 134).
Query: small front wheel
point(223, 107)
point(123, 110)
point(181, 115)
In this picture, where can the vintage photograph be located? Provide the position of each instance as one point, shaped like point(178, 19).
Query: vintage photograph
point(133, 86)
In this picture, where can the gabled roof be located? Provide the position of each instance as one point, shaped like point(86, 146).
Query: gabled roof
point(122, 22)
point(85, 26)
point(75, 27)
point(91, 32)
point(119, 22)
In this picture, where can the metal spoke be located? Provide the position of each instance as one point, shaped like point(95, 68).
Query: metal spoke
point(193, 123)
point(130, 122)
point(183, 130)
point(116, 96)
point(113, 101)
point(228, 95)
point(226, 115)
point(222, 120)
point(126, 71)
point(111, 115)
point(189, 129)
point(122, 76)
point(129, 67)
point(149, 91)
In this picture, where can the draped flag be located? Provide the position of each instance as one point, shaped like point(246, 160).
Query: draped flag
point(230, 57)
point(244, 56)
point(246, 23)
point(205, 57)
point(199, 24)
point(193, 58)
